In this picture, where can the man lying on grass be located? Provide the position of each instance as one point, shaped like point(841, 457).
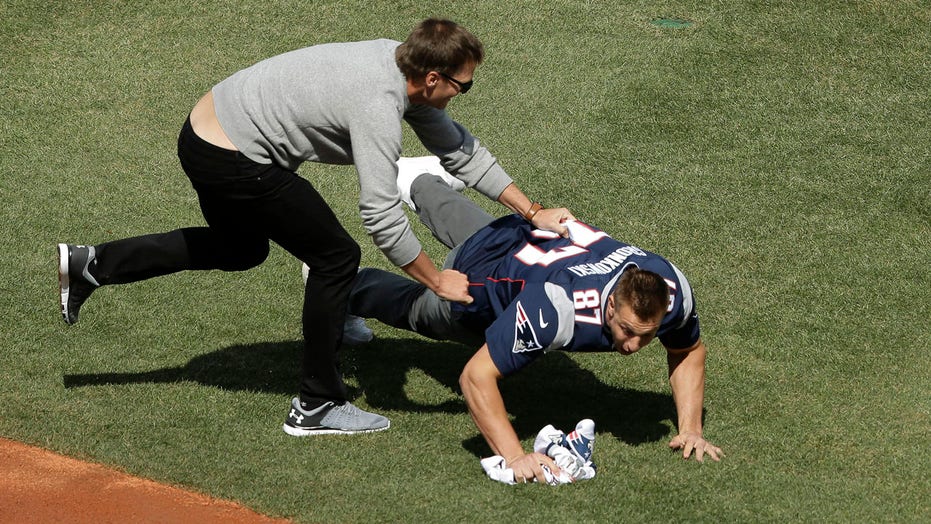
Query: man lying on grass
point(535, 291)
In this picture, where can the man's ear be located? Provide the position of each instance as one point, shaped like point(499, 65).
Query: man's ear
point(432, 79)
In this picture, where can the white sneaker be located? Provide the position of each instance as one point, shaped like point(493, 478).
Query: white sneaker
point(355, 331)
point(409, 168)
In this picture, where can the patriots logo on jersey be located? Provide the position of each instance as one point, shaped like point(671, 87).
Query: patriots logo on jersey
point(525, 338)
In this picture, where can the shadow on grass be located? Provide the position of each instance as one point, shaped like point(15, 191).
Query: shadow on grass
point(553, 390)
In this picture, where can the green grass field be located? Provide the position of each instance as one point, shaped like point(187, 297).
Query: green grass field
point(777, 152)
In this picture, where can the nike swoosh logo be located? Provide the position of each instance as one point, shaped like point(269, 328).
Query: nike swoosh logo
point(542, 323)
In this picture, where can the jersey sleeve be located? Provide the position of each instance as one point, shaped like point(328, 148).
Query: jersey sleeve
point(682, 331)
point(528, 327)
point(683, 336)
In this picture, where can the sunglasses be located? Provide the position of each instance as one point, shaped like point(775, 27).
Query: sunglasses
point(463, 86)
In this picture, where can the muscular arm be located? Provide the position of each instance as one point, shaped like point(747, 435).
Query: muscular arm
point(479, 382)
point(687, 379)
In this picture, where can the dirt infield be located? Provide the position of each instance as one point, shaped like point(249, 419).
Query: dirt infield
point(41, 486)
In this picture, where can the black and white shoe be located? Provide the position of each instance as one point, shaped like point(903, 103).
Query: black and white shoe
point(74, 278)
point(331, 419)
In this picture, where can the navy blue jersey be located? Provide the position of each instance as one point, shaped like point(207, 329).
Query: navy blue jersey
point(536, 291)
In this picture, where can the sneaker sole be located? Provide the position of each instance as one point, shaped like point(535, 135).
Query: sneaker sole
point(301, 432)
point(64, 282)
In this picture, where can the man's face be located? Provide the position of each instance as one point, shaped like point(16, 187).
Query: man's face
point(439, 89)
point(630, 332)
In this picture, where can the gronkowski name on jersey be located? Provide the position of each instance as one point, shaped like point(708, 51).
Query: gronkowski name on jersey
point(536, 291)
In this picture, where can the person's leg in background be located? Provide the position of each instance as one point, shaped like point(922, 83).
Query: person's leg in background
point(449, 215)
point(406, 304)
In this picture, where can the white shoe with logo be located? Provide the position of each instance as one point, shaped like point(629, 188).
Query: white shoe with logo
point(331, 419)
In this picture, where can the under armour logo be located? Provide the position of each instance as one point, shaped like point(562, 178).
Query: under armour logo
point(297, 418)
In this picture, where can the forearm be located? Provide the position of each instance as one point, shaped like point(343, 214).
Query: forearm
point(515, 199)
point(486, 406)
point(448, 284)
point(551, 219)
point(687, 379)
point(424, 271)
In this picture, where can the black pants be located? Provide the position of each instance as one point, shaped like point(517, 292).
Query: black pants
point(246, 204)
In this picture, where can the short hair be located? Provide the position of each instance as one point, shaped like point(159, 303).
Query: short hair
point(644, 291)
point(438, 45)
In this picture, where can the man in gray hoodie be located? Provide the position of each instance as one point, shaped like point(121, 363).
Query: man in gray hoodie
point(340, 103)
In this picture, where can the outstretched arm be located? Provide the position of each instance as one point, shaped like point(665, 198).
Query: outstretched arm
point(479, 382)
point(687, 378)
